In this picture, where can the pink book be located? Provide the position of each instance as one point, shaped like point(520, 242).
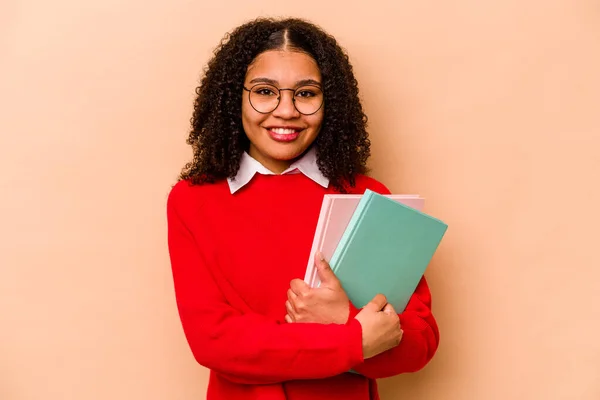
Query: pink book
point(336, 212)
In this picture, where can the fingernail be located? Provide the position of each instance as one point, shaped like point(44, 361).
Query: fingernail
point(320, 256)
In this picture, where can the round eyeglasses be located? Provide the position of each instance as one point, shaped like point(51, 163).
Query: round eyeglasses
point(265, 98)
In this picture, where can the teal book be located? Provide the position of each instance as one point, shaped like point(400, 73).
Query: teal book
point(386, 249)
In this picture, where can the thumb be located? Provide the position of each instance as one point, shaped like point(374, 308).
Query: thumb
point(324, 271)
point(377, 303)
point(389, 309)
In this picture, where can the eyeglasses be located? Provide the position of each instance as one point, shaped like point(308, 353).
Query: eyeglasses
point(265, 98)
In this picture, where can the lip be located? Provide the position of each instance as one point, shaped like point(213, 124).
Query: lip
point(296, 128)
point(284, 138)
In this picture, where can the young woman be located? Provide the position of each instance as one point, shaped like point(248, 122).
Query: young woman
point(277, 124)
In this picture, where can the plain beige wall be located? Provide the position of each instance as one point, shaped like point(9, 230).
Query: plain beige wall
point(489, 109)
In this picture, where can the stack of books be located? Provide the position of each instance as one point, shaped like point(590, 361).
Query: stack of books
point(375, 244)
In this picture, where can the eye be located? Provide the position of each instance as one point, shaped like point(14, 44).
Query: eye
point(305, 93)
point(308, 92)
point(264, 91)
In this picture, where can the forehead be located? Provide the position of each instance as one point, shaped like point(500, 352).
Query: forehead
point(284, 66)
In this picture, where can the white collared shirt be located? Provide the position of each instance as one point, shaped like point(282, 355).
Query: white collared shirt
point(307, 165)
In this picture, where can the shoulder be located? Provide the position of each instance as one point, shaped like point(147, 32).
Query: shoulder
point(364, 182)
point(184, 194)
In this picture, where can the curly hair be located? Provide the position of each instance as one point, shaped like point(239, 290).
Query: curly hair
point(217, 136)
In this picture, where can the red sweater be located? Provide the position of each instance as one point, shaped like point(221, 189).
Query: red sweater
point(233, 257)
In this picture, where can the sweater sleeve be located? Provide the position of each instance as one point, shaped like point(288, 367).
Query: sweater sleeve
point(419, 342)
point(243, 346)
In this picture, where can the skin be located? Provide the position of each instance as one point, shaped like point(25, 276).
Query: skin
point(329, 304)
point(326, 304)
point(286, 68)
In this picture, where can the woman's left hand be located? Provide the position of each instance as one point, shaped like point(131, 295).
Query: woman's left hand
point(327, 304)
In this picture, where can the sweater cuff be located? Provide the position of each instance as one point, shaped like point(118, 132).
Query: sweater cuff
point(355, 345)
point(353, 312)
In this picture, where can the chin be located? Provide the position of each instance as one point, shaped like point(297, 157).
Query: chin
point(288, 155)
point(285, 152)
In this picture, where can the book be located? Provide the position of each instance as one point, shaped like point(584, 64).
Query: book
point(385, 248)
point(336, 212)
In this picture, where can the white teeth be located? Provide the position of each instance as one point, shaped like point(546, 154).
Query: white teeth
point(283, 131)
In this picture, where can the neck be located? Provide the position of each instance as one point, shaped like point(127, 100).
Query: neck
point(273, 165)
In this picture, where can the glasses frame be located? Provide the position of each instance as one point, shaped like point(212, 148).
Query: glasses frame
point(279, 97)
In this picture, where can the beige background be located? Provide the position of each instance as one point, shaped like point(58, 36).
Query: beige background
point(489, 109)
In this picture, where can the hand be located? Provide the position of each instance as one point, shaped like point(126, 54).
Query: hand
point(327, 304)
point(380, 327)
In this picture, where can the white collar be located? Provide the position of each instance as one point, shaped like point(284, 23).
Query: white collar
point(307, 165)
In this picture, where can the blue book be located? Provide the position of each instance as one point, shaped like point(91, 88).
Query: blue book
point(386, 249)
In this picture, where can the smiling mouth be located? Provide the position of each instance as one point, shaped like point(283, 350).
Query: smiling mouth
point(284, 134)
point(284, 131)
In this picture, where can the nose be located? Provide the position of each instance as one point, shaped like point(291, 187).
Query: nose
point(286, 108)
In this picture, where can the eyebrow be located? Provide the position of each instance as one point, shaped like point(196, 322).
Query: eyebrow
point(273, 82)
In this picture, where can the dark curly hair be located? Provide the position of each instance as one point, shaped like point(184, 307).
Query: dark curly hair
point(217, 136)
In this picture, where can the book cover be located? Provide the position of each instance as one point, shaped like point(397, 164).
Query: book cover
point(386, 248)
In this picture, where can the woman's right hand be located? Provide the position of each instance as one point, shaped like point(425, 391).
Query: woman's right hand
point(381, 329)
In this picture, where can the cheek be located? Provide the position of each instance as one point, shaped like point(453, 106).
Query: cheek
point(245, 111)
point(249, 117)
point(316, 121)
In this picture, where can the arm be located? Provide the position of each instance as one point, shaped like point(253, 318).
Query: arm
point(243, 346)
point(419, 341)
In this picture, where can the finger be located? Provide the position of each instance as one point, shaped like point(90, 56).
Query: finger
point(291, 296)
point(288, 319)
point(377, 303)
point(290, 309)
point(326, 274)
point(299, 287)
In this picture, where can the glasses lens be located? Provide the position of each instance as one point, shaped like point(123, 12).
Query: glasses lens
point(308, 99)
point(264, 98)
